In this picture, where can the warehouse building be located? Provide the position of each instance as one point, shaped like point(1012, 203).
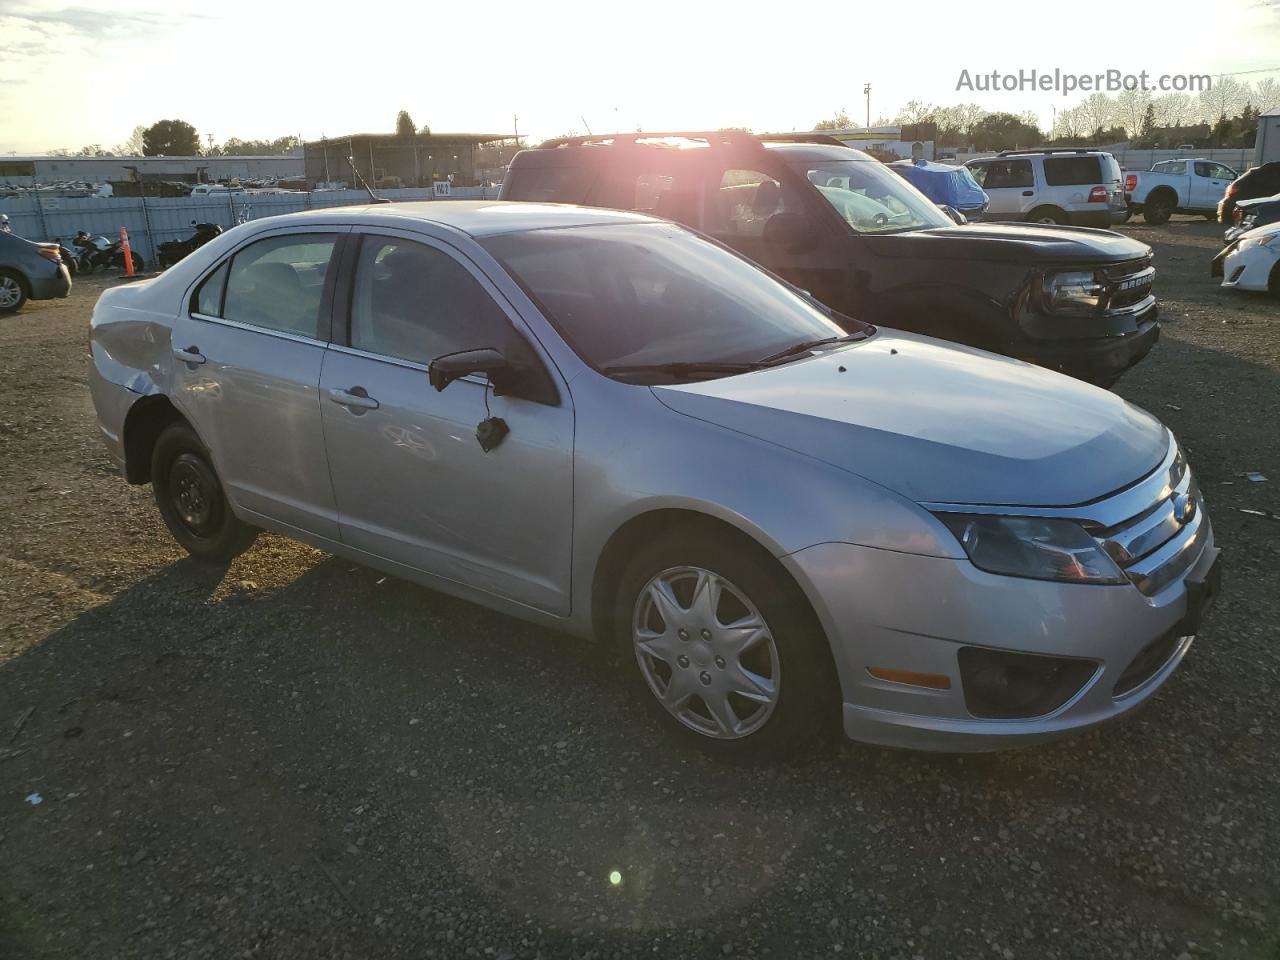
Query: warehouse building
point(393, 160)
point(36, 170)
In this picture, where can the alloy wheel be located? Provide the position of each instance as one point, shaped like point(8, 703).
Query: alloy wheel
point(706, 652)
point(10, 293)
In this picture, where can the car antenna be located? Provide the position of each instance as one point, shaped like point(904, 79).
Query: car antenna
point(373, 197)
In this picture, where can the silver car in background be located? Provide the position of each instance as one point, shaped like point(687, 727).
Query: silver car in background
point(609, 424)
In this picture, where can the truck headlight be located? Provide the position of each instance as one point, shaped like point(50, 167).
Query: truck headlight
point(1038, 548)
point(1074, 291)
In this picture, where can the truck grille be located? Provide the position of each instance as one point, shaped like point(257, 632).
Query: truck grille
point(1128, 283)
point(1163, 541)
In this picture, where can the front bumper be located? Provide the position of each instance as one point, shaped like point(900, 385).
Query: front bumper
point(1104, 217)
point(54, 286)
point(872, 605)
point(1100, 360)
point(1249, 268)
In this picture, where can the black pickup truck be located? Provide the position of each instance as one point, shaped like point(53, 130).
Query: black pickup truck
point(840, 225)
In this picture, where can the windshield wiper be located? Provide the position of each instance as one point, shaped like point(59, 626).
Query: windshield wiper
point(685, 368)
point(799, 348)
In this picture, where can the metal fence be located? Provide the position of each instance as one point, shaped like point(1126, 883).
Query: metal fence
point(152, 221)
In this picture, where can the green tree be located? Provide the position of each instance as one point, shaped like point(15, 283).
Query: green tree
point(170, 138)
point(404, 124)
point(235, 147)
point(1221, 132)
point(1147, 126)
point(1002, 131)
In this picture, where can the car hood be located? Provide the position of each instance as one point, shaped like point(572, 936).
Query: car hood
point(939, 423)
point(1018, 242)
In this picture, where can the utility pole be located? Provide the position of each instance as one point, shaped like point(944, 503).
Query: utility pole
point(1053, 126)
point(866, 89)
point(210, 151)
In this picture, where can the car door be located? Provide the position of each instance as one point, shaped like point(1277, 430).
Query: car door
point(247, 355)
point(1209, 184)
point(1011, 185)
point(412, 482)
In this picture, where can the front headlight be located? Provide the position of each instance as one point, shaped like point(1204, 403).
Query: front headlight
point(1074, 291)
point(1033, 547)
point(1263, 241)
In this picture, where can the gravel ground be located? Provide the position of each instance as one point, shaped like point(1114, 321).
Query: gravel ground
point(296, 757)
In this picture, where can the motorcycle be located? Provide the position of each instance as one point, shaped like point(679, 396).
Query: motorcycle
point(100, 252)
point(174, 250)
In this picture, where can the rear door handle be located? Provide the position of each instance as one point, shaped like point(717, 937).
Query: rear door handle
point(191, 355)
point(1028, 193)
point(357, 398)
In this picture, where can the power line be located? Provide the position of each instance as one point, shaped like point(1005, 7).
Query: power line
point(1241, 73)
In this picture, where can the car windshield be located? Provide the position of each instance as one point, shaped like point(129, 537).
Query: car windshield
point(649, 294)
point(873, 199)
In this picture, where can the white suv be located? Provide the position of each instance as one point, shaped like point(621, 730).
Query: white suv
point(1073, 186)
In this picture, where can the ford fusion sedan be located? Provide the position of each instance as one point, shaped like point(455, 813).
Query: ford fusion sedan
point(612, 425)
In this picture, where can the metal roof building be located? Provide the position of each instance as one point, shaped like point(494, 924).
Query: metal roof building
point(393, 160)
point(31, 170)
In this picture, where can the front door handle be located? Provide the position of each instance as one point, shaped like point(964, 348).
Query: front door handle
point(191, 355)
point(1028, 193)
point(357, 398)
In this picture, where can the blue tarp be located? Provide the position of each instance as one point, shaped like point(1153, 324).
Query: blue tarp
point(941, 183)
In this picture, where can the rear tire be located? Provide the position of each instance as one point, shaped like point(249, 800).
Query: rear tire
point(1158, 209)
point(734, 690)
point(13, 291)
point(191, 499)
point(1048, 215)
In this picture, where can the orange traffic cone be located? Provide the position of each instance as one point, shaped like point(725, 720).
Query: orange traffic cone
point(128, 254)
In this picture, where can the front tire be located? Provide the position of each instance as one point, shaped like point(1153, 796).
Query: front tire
point(13, 292)
point(725, 649)
point(191, 499)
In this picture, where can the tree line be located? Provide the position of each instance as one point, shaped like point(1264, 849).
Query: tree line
point(1224, 116)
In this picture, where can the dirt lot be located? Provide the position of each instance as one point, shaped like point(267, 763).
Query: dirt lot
point(295, 757)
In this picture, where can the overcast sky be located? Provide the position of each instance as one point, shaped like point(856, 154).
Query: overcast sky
point(77, 75)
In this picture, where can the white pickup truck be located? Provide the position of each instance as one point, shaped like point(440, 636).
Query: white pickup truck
point(1191, 185)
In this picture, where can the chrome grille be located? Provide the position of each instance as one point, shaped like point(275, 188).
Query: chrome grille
point(1128, 283)
point(1160, 543)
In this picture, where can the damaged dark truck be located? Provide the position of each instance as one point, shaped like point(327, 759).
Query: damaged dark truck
point(840, 225)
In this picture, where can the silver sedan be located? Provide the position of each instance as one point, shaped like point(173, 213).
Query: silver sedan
point(612, 425)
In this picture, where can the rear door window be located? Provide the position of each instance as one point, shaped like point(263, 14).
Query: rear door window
point(1175, 168)
point(995, 174)
point(1072, 171)
point(277, 283)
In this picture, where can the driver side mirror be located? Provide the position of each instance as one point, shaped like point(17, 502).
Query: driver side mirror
point(507, 376)
point(792, 232)
point(955, 215)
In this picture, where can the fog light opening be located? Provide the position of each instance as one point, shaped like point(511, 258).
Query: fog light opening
point(1003, 685)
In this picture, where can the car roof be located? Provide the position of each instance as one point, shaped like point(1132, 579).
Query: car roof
point(579, 154)
point(479, 218)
